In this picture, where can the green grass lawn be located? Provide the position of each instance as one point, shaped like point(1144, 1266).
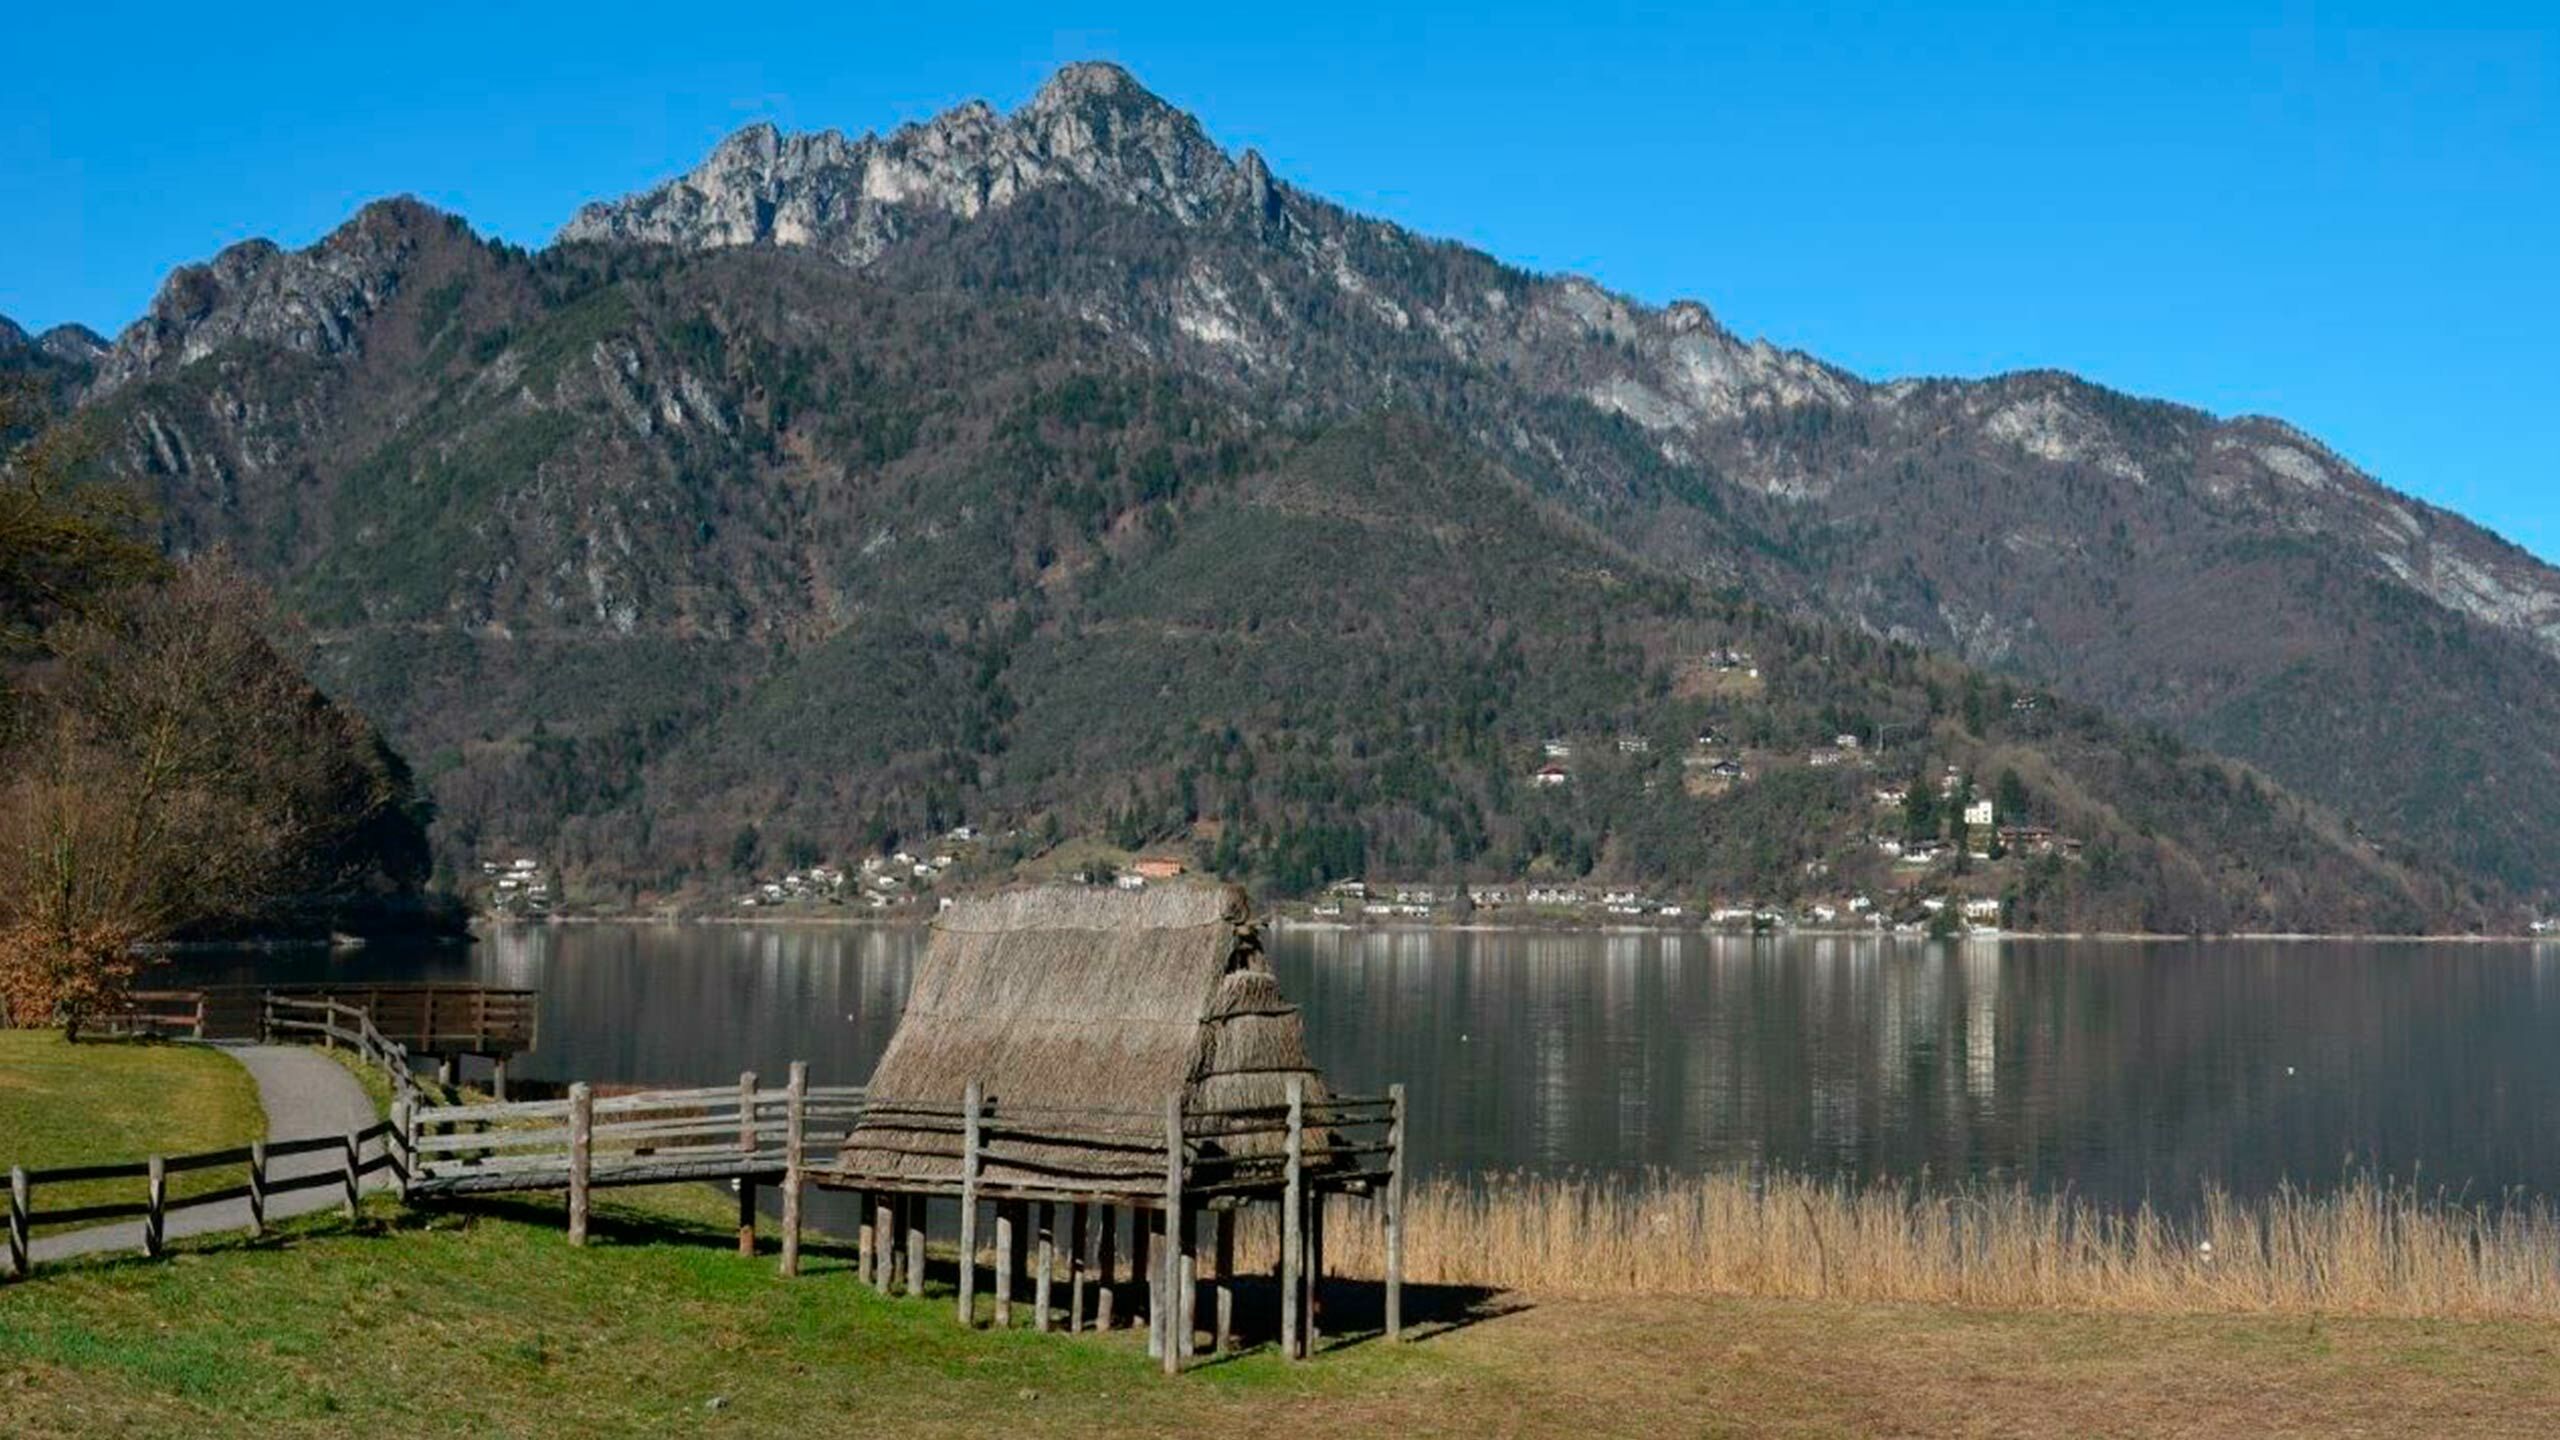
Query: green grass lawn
point(109, 1100)
point(485, 1321)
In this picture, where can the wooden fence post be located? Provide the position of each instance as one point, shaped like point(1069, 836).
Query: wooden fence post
point(1395, 1213)
point(1169, 1304)
point(582, 1115)
point(394, 1142)
point(19, 1205)
point(795, 1118)
point(1293, 1219)
point(747, 1150)
point(968, 1303)
point(351, 1171)
point(1047, 1261)
point(155, 1217)
point(257, 1187)
point(1005, 1233)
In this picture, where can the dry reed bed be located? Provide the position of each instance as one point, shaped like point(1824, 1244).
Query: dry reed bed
point(2367, 1248)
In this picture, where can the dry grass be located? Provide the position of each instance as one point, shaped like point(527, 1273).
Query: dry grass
point(2364, 1249)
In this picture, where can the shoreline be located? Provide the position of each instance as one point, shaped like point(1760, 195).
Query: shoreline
point(1585, 927)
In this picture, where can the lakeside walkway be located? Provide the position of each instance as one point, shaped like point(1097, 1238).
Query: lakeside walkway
point(305, 1093)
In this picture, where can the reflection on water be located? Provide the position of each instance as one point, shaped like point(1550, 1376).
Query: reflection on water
point(2116, 1071)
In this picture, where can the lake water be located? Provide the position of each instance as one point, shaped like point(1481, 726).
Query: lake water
point(2117, 1071)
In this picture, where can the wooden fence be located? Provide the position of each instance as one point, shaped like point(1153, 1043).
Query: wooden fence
point(429, 1019)
point(154, 1208)
point(334, 1023)
point(1205, 1164)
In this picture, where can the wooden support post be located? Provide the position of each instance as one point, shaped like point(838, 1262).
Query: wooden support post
point(1190, 1299)
point(1294, 1220)
point(795, 1119)
point(498, 1079)
point(1173, 1302)
point(884, 1241)
point(746, 1149)
point(1141, 1255)
point(1395, 1213)
point(1153, 1266)
point(582, 1119)
point(1222, 1339)
point(970, 1099)
point(1076, 1228)
point(447, 1072)
point(20, 1205)
point(863, 1241)
point(258, 1187)
point(155, 1216)
point(1315, 1270)
point(351, 1172)
point(915, 1246)
point(1046, 1259)
point(1105, 1264)
point(1005, 1232)
point(1293, 1217)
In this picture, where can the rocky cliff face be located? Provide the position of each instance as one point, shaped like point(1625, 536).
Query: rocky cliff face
point(2229, 578)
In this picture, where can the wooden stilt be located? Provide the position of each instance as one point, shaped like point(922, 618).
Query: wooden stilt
point(1141, 1255)
point(1005, 1230)
point(1222, 1339)
point(863, 1233)
point(915, 1245)
point(1044, 1262)
point(1315, 1270)
point(968, 1305)
point(1293, 1219)
point(1186, 1288)
point(1076, 1228)
point(1107, 1220)
point(884, 1240)
point(1175, 1297)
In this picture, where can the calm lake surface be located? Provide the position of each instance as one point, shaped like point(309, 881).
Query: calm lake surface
point(2116, 1071)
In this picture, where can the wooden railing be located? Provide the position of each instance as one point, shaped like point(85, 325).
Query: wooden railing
point(429, 1019)
point(154, 1208)
point(333, 1024)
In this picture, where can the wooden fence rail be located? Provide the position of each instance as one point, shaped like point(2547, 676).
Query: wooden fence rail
point(154, 1208)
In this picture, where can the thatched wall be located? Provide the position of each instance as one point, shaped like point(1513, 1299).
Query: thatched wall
point(1078, 1010)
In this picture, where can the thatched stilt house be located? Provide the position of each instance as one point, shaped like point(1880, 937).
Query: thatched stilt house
point(1077, 1011)
point(1091, 1062)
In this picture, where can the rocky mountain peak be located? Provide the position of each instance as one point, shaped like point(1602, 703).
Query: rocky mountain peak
point(312, 300)
point(73, 344)
point(1091, 123)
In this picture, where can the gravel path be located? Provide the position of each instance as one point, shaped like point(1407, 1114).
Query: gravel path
point(304, 1093)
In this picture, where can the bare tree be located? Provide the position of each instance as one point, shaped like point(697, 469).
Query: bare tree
point(172, 770)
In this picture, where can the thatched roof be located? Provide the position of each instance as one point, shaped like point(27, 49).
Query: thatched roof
point(1078, 1010)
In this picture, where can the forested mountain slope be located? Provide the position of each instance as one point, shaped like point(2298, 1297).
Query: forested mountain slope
point(1058, 464)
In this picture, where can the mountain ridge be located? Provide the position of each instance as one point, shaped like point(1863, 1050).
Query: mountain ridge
point(2227, 577)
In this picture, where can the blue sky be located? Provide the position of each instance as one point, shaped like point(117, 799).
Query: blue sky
point(2344, 214)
